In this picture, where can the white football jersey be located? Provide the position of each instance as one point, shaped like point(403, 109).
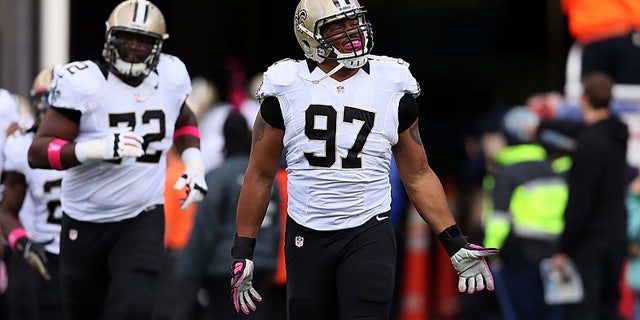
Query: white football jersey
point(107, 191)
point(41, 213)
point(9, 113)
point(338, 138)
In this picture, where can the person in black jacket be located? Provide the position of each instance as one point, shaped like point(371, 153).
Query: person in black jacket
point(595, 218)
point(205, 258)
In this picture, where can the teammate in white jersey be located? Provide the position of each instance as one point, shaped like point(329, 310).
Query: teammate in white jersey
point(32, 195)
point(9, 115)
point(339, 116)
point(110, 126)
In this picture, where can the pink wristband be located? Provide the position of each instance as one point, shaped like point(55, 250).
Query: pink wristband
point(54, 152)
point(15, 234)
point(187, 130)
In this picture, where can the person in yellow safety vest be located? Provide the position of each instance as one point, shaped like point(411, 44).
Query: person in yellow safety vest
point(528, 199)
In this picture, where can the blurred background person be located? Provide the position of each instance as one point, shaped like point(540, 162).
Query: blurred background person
point(9, 118)
point(633, 232)
point(528, 200)
point(175, 298)
point(214, 111)
point(32, 195)
point(205, 258)
point(595, 233)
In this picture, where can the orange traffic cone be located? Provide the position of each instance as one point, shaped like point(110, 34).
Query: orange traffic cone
point(414, 304)
point(446, 298)
point(280, 277)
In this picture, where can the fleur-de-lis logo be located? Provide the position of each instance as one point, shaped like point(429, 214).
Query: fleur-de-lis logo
point(300, 17)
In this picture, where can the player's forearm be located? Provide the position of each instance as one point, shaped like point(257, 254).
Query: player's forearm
point(252, 206)
point(8, 222)
point(184, 142)
point(47, 152)
point(426, 193)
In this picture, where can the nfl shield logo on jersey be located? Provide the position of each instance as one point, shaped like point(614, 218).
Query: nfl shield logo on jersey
point(299, 241)
point(73, 234)
point(340, 89)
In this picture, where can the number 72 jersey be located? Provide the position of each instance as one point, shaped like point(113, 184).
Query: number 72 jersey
point(338, 139)
point(108, 191)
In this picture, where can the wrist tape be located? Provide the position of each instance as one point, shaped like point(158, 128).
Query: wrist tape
point(54, 153)
point(243, 247)
point(452, 239)
point(187, 130)
point(192, 158)
point(15, 235)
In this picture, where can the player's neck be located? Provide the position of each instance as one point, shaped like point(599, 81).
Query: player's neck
point(134, 82)
point(343, 74)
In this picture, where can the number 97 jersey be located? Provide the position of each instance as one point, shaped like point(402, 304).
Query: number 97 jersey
point(338, 138)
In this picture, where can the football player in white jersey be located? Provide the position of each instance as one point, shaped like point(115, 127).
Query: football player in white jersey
point(9, 116)
point(33, 195)
point(339, 116)
point(110, 126)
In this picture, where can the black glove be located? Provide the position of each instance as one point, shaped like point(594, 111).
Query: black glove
point(34, 254)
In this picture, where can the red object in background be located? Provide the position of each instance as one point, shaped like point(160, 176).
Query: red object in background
point(415, 282)
point(446, 298)
point(627, 295)
point(237, 82)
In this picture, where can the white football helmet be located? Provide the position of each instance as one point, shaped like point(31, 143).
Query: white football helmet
point(312, 15)
point(40, 92)
point(139, 17)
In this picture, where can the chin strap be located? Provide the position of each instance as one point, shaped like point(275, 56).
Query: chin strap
point(327, 75)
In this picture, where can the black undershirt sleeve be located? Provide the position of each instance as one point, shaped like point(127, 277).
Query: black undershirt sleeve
point(72, 115)
point(407, 112)
point(271, 113)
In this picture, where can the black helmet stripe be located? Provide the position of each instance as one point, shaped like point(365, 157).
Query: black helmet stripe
point(341, 3)
point(140, 12)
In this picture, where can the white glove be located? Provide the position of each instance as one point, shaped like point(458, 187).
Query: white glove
point(113, 146)
point(192, 178)
point(472, 268)
point(242, 291)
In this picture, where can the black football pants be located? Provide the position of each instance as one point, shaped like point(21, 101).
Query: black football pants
point(342, 275)
point(110, 270)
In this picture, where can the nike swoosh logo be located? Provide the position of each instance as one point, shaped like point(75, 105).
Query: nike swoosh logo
point(382, 218)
